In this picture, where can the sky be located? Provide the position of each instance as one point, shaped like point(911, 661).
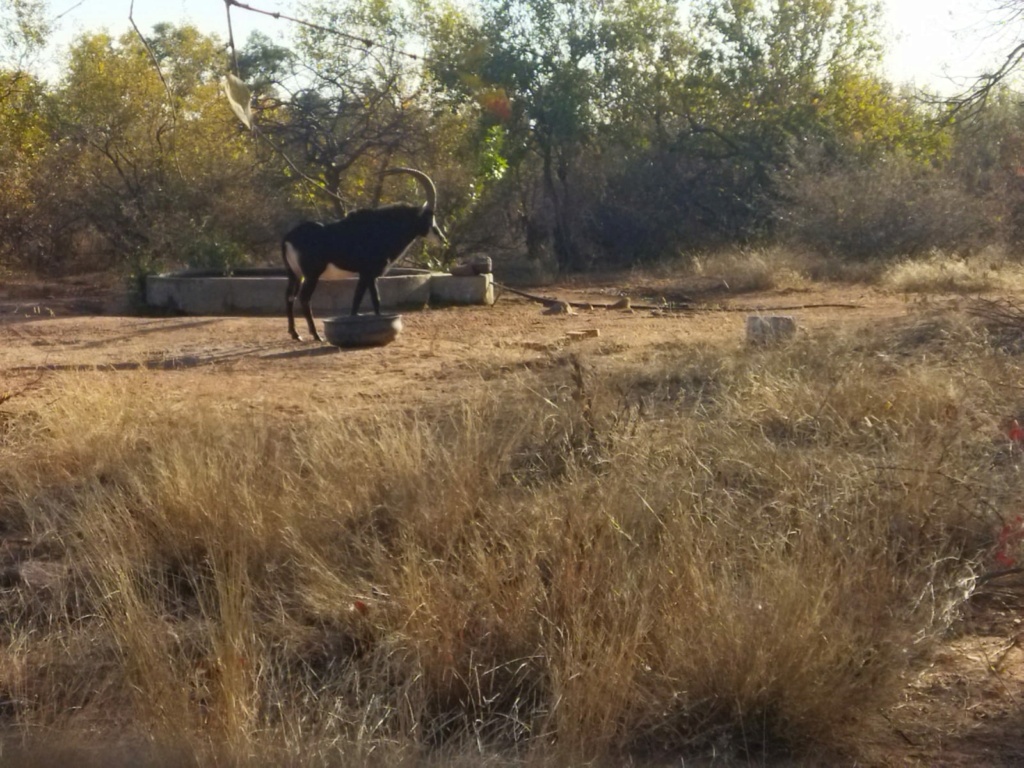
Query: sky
point(940, 44)
point(944, 44)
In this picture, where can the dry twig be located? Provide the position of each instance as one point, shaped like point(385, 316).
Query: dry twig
point(13, 393)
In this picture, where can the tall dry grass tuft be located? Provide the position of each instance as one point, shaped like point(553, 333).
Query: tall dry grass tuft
point(739, 551)
point(939, 272)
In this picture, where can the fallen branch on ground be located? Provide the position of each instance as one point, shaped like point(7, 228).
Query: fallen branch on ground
point(789, 308)
point(998, 313)
point(685, 307)
point(623, 303)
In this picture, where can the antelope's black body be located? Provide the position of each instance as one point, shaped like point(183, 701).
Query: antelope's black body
point(364, 242)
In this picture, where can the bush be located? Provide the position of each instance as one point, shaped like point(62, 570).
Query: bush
point(893, 208)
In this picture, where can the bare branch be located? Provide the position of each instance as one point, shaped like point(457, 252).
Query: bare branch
point(976, 97)
point(365, 42)
point(160, 74)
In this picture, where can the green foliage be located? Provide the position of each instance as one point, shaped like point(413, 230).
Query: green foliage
point(584, 134)
point(770, 81)
point(188, 59)
point(987, 158)
point(148, 157)
point(493, 164)
point(865, 120)
point(560, 76)
point(210, 252)
point(24, 143)
point(130, 140)
point(605, 106)
point(262, 64)
point(23, 133)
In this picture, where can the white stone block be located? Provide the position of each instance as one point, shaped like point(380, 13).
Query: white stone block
point(764, 329)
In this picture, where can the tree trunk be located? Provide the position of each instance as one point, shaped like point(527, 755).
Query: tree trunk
point(565, 252)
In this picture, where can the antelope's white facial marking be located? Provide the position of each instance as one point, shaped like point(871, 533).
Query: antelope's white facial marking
point(291, 256)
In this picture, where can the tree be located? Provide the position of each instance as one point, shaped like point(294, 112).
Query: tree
point(262, 64)
point(863, 120)
point(152, 160)
point(350, 102)
point(23, 129)
point(560, 77)
point(24, 145)
point(771, 81)
point(23, 31)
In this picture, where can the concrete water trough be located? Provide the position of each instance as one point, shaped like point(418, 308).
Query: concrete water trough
point(261, 291)
point(362, 330)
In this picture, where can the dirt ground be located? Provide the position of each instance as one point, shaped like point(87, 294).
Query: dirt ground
point(76, 325)
point(966, 708)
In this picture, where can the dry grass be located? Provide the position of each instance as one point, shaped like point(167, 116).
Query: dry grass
point(743, 271)
point(992, 270)
point(944, 273)
point(738, 552)
point(773, 268)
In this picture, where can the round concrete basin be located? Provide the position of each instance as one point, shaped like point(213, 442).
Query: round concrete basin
point(362, 330)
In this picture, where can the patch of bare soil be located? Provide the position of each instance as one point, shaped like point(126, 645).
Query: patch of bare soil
point(964, 709)
point(62, 326)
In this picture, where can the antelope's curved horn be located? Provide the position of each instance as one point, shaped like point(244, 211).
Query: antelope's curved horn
point(428, 185)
